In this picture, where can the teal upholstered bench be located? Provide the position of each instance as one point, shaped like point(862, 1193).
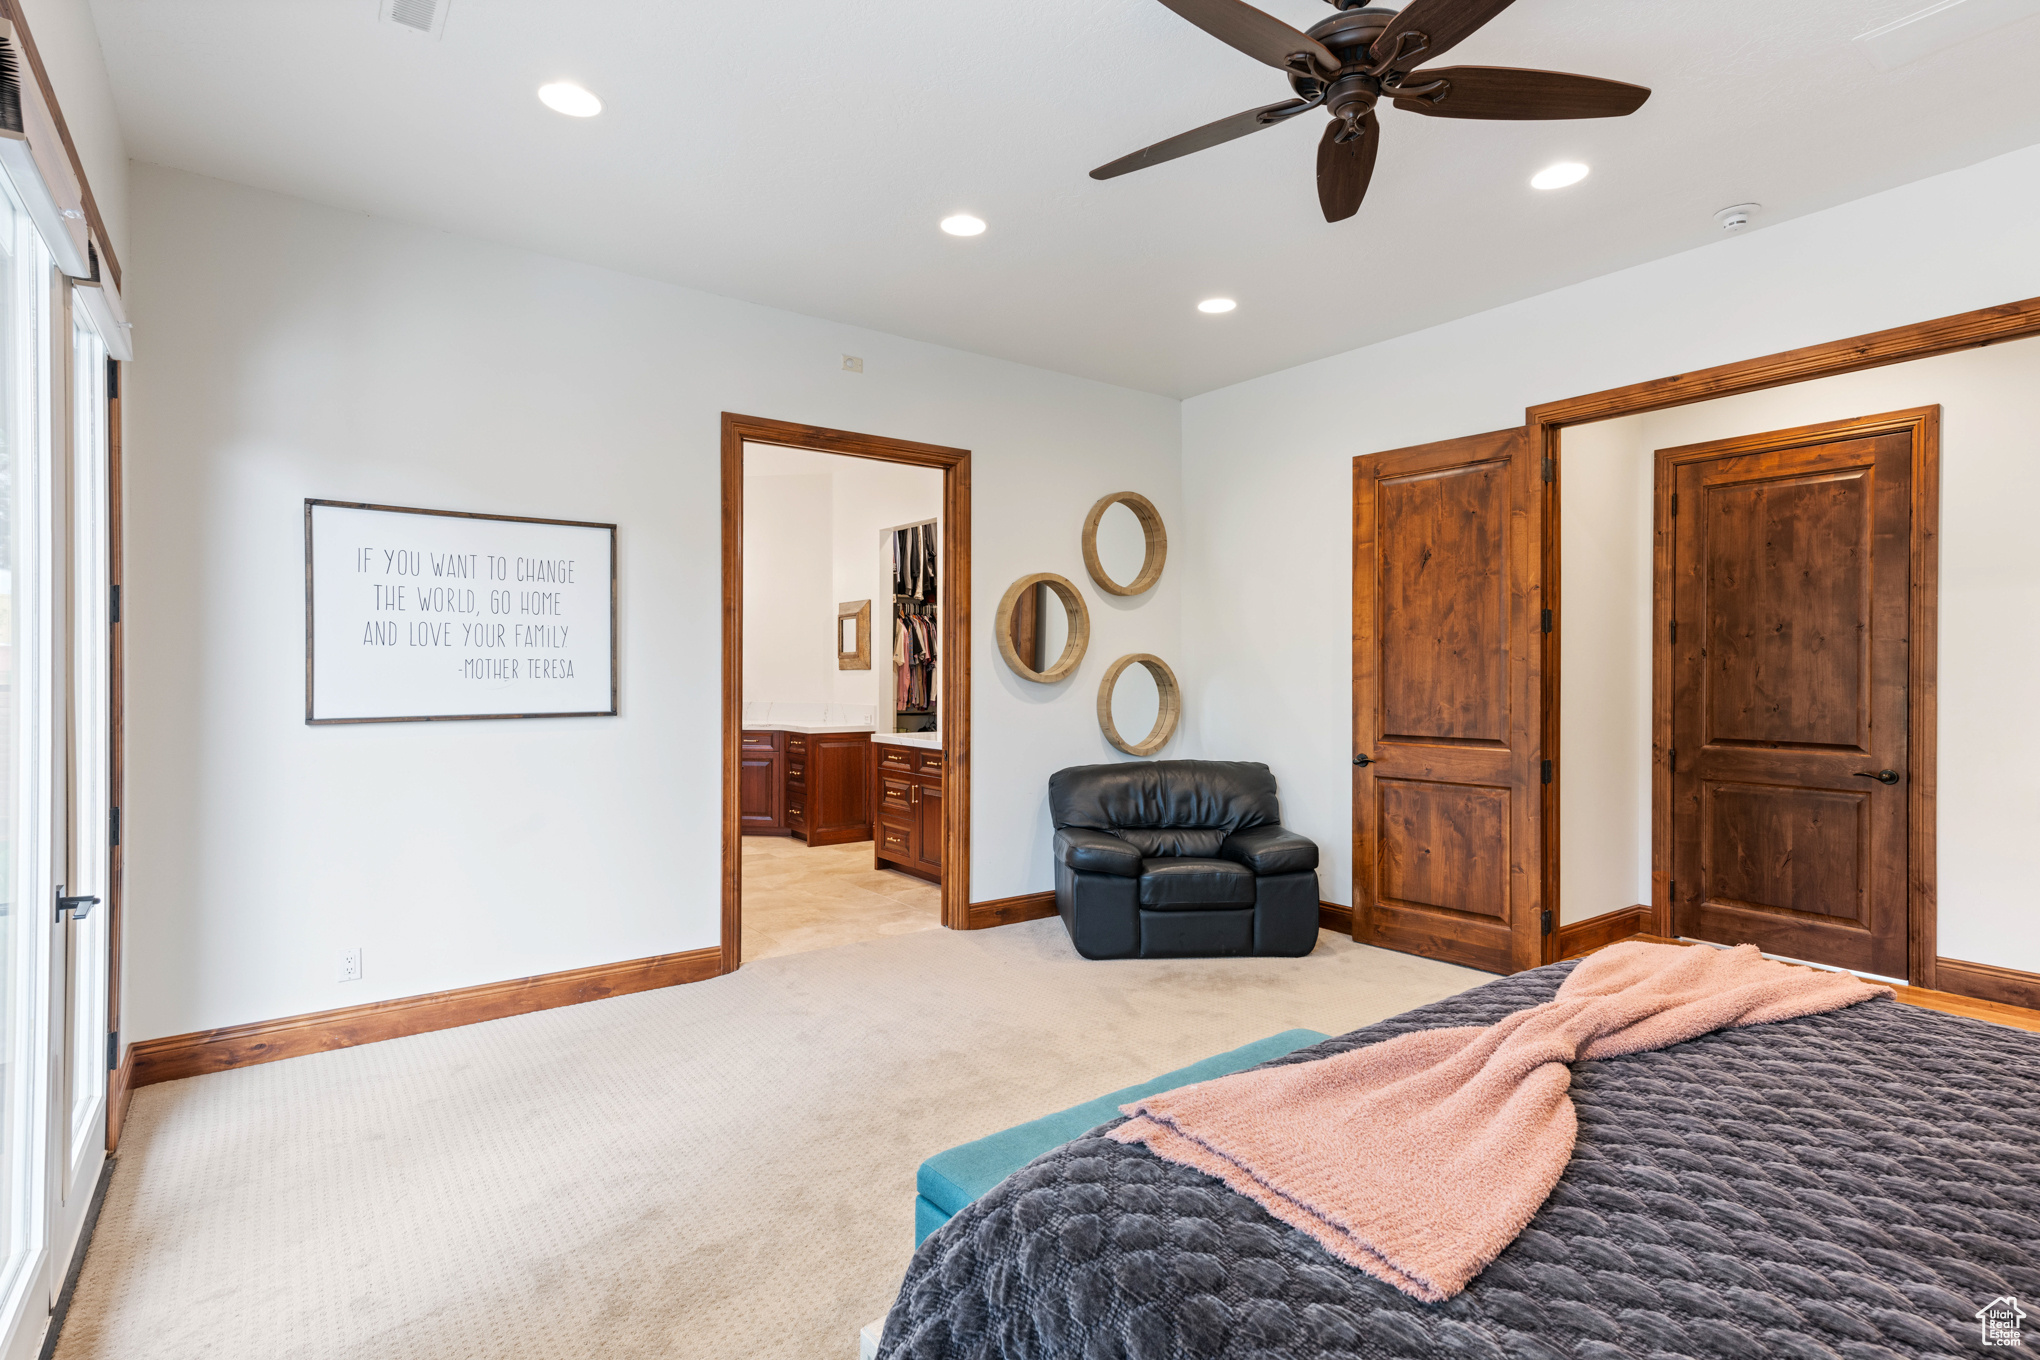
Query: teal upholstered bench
point(949, 1180)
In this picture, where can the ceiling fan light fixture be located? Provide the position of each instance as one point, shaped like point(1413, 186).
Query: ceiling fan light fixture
point(1561, 176)
point(1216, 306)
point(563, 96)
point(963, 224)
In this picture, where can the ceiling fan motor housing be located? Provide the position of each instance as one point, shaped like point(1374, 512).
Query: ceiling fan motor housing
point(1348, 34)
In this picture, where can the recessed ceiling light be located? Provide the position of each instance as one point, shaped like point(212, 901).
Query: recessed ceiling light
point(1216, 305)
point(1558, 176)
point(563, 96)
point(963, 224)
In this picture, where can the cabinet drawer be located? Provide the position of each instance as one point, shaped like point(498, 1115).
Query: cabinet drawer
point(796, 811)
point(796, 744)
point(929, 762)
point(761, 741)
point(895, 796)
point(895, 841)
point(895, 758)
point(796, 767)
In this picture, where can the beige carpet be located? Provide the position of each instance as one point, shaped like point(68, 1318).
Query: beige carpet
point(798, 897)
point(720, 1170)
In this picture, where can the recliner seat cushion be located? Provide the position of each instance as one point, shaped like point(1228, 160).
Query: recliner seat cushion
point(1188, 884)
point(1221, 795)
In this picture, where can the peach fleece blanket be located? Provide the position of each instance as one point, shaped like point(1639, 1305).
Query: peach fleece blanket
point(1420, 1158)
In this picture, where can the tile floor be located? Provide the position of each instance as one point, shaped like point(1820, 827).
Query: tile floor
point(797, 898)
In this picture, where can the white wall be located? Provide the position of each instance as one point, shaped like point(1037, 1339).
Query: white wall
point(1267, 465)
point(1989, 752)
point(68, 43)
point(789, 589)
point(814, 538)
point(1605, 563)
point(288, 350)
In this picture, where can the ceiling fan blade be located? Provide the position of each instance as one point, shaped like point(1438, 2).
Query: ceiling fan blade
point(1343, 169)
point(1261, 36)
point(1211, 134)
point(1505, 92)
point(1444, 24)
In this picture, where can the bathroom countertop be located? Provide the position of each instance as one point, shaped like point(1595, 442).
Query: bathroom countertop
point(806, 729)
point(927, 741)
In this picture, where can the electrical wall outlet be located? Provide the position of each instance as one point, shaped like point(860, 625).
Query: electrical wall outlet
point(852, 364)
point(350, 965)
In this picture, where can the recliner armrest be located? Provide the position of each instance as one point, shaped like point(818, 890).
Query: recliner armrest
point(1270, 850)
point(1099, 852)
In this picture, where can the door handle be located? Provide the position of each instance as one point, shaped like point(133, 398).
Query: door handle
point(1881, 776)
point(1363, 761)
point(79, 907)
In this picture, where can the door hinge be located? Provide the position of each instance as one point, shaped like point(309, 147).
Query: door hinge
point(113, 1051)
point(1675, 630)
point(116, 605)
point(1547, 620)
point(112, 378)
point(1547, 920)
point(1547, 772)
point(1675, 505)
point(1550, 469)
point(113, 828)
point(1672, 758)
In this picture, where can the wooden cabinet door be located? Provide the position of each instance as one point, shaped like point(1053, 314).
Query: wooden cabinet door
point(1447, 541)
point(758, 784)
point(1787, 642)
point(928, 824)
point(838, 788)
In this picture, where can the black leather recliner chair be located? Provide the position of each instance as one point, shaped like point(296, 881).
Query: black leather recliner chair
point(1180, 858)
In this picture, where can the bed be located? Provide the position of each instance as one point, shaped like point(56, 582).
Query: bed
point(1854, 1185)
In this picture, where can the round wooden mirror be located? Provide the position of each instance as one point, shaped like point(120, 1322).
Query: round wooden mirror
point(1042, 616)
point(1166, 704)
point(1154, 542)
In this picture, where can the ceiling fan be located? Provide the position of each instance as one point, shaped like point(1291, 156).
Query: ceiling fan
point(1364, 54)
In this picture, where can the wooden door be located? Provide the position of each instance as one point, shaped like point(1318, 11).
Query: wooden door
point(1446, 666)
point(1784, 604)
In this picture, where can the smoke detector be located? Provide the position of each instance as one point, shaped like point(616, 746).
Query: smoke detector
point(424, 17)
point(1736, 218)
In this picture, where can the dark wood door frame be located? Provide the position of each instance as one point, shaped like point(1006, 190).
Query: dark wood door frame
point(954, 584)
point(1902, 344)
point(1923, 426)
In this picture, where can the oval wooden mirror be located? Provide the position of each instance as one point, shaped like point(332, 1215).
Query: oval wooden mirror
point(1138, 514)
point(1042, 616)
point(1166, 703)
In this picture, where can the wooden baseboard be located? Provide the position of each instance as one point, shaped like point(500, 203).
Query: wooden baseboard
point(1988, 982)
point(1006, 911)
point(1335, 918)
point(217, 1050)
point(1598, 932)
point(120, 1093)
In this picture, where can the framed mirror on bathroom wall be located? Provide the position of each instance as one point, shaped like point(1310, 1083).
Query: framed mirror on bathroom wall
point(853, 636)
point(1043, 628)
point(1125, 544)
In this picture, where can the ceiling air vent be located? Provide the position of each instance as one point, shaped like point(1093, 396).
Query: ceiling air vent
point(10, 81)
point(420, 16)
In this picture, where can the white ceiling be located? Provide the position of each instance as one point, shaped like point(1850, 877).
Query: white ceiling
point(800, 154)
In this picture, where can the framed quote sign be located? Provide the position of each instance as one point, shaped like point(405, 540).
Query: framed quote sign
point(435, 615)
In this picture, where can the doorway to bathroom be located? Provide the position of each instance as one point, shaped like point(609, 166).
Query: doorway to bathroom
point(845, 688)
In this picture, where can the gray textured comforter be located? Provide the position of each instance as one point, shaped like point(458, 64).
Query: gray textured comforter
point(1850, 1186)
